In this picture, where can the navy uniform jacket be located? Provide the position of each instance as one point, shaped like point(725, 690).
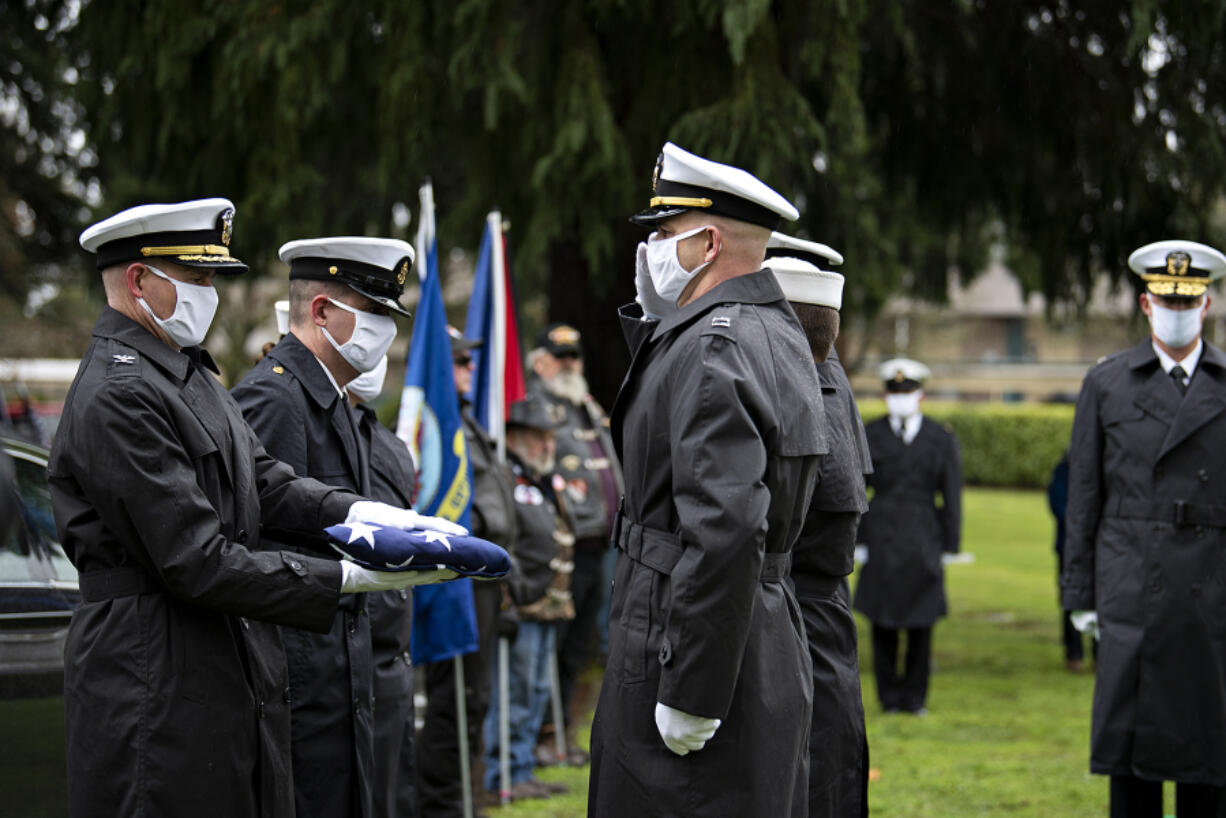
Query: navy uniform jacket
point(903, 583)
point(718, 426)
point(175, 682)
point(302, 419)
point(820, 561)
point(392, 479)
point(1146, 548)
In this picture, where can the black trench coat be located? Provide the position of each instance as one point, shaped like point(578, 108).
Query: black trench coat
point(822, 558)
point(301, 419)
point(174, 689)
point(394, 788)
point(718, 426)
point(903, 583)
point(1146, 548)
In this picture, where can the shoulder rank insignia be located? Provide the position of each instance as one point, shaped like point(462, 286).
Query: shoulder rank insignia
point(120, 358)
point(721, 321)
point(280, 370)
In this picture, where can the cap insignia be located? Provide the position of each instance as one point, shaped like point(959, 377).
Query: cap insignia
point(564, 335)
point(655, 174)
point(227, 226)
point(1177, 263)
point(899, 377)
point(404, 271)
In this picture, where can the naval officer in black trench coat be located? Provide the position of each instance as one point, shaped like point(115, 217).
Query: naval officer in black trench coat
point(1145, 553)
point(343, 291)
point(822, 557)
point(704, 707)
point(174, 676)
point(902, 586)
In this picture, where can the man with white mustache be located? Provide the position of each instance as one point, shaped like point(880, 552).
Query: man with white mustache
point(1144, 562)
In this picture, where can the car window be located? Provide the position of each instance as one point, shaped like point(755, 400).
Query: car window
point(36, 530)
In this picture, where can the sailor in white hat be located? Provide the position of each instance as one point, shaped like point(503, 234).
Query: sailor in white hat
point(710, 221)
point(1145, 535)
point(720, 425)
point(163, 498)
point(906, 531)
point(343, 294)
point(823, 555)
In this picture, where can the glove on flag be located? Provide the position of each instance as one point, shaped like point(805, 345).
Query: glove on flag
point(395, 549)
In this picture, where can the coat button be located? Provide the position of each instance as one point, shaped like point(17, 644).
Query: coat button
point(1156, 586)
point(404, 594)
point(287, 695)
point(666, 652)
point(241, 536)
point(351, 623)
point(357, 706)
point(259, 710)
point(297, 566)
point(1203, 475)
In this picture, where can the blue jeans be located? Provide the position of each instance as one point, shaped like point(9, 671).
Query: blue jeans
point(528, 674)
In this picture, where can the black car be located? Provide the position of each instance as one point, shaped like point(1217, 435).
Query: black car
point(38, 593)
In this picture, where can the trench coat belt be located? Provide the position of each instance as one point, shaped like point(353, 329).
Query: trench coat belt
point(817, 586)
point(110, 583)
point(660, 551)
point(1179, 512)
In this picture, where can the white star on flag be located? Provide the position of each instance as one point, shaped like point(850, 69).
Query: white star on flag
point(363, 531)
point(438, 536)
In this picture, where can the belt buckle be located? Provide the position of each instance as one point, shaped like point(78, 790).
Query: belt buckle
point(1181, 513)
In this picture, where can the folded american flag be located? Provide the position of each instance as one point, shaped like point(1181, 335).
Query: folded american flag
point(394, 549)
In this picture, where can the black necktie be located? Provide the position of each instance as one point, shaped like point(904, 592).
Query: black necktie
point(1177, 375)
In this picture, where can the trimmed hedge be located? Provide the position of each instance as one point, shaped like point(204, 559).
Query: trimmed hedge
point(1005, 445)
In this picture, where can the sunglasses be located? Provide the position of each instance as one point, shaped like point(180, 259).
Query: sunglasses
point(463, 360)
point(574, 356)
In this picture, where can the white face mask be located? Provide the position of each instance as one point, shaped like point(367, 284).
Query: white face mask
point(369, 385)
point(667, 275)
point(372, 338)
point(195, 306)
point(903, 405)
point(1175, 328)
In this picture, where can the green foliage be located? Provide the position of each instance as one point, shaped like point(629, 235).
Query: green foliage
point(1006, 445)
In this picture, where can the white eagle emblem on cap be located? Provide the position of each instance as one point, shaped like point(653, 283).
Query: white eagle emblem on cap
point(227, 226)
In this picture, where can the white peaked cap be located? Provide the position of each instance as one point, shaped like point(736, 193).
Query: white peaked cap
point(816, 252)
point(684, 181)
point(281, 311)
point(904, 369)
point(805, 283)
point(1177, 268)
point(194, 234)
point(375, 267)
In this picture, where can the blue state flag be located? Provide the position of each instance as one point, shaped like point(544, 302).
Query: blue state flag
point(444, 618)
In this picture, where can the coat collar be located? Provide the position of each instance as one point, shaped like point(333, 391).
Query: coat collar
point(1205, 398)
point(114, 325)
point(299, 360)
point(753, 288)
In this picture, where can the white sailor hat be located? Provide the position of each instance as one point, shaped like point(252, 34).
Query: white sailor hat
point(281, 311)
point(803, 282)
point(193, 234)
point(375, 268)
point(683, 181)
point(903, 374)
point(1177, 268)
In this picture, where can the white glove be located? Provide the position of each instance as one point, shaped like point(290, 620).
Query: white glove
point(681, 731)
point(367, 511)
point(654, 305)
point(860, 554)
point(355, 579)
point(1086, 622)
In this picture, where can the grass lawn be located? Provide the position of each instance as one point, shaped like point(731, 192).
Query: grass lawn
point(1007, 732)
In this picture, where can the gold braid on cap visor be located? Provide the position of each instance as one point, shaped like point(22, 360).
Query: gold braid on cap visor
point(191, 252)
point(1175, 285)
point(680, 201)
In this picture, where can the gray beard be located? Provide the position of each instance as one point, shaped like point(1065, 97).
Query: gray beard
point(571, 386)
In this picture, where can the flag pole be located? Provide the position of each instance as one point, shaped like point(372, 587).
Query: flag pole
point(498, 387)
point(461, 710)
point(504, 719)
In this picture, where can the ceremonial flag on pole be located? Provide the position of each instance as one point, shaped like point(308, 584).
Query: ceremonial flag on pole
point(499, 378)
point(444, 619)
